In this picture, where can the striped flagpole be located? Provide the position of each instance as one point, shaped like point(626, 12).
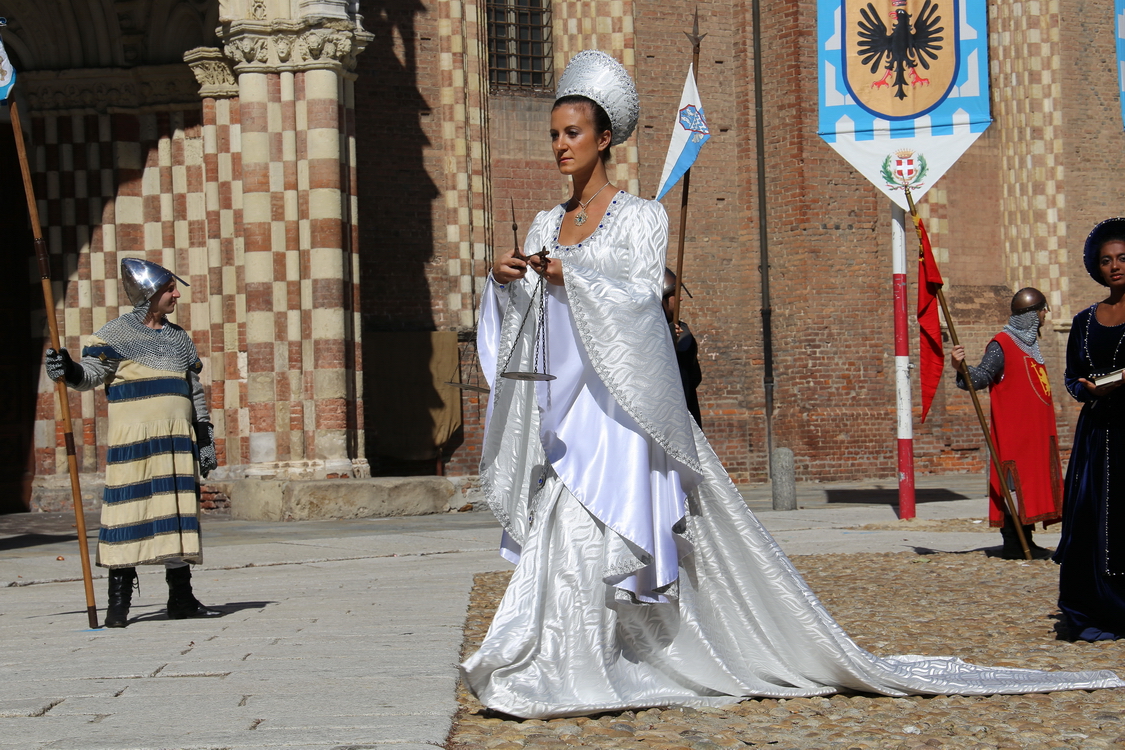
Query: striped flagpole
point(903, 403)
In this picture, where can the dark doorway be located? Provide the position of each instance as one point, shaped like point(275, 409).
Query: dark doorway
point(20, 347)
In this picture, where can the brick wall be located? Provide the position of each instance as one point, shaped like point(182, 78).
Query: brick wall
point(828, 229)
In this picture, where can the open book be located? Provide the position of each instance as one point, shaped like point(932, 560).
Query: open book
point(1109, 377)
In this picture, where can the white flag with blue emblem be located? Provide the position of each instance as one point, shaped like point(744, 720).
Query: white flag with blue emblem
point(688, 136)
point(7, 73)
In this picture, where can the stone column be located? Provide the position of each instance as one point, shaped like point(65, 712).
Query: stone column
point(222, 179)
point(301, 341)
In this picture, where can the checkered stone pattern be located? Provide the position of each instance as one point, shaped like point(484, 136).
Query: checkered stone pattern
point(72, 163)
point(301, 332)
point(606, 25)
point(934, 210)
point(468, 205)
point(222, 174)
point(1026, 56)
point(113, 186)
point(352, 299)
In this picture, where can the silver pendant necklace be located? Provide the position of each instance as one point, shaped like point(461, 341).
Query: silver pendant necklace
point(580, 217)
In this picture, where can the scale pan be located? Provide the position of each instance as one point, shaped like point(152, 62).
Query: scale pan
point(538, 376)
point(468, 387)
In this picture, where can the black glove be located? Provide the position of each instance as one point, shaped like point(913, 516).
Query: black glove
point(205, 439)
point(61, 367)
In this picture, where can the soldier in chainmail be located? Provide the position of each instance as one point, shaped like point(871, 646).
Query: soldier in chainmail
point(1023, 423)
point(160, 440)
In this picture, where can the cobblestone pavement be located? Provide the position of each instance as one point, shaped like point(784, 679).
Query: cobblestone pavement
point(982, 609)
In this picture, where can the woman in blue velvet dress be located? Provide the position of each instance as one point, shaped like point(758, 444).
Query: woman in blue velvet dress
point(1092, 550)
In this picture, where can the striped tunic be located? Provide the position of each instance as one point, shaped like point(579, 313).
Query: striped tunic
point(150, 509)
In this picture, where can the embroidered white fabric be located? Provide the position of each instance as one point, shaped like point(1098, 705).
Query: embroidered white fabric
point(629, 593)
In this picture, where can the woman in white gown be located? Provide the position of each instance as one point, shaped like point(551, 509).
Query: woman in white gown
point(642, 579)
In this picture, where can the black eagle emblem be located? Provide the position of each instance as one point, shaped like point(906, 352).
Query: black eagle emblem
point(903, 49)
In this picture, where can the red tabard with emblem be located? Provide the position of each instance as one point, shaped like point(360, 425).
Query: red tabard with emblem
point(1023, 428)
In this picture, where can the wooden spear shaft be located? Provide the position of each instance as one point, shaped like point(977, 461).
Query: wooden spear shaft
point(60, 385)
point(695, 38)
point(963, 368)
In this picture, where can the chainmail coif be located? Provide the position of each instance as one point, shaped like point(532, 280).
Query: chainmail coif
point(168, 348)
point(1024, 329)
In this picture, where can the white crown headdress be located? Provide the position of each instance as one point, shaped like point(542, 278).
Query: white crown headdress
point(597, 76)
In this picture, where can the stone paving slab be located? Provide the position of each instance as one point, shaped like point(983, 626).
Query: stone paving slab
point(339, 634)
point(328, 654)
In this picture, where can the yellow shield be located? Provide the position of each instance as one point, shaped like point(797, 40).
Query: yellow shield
point(901, 55)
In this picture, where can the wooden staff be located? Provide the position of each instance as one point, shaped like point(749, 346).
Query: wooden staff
point(695, 38)
point(60, 385)
point(963, 368)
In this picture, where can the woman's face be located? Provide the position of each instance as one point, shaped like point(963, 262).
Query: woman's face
point(1111, 260)
point(164, 301)
point(577, 147)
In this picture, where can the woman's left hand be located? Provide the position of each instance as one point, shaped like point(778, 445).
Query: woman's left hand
point(549, 268)
point(1098, 391)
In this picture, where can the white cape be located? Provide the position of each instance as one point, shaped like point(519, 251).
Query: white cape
point(642, 578)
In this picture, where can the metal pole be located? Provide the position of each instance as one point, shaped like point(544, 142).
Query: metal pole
point(903, 403)
point(763, 233)
point(60, 386)
point(695, 37)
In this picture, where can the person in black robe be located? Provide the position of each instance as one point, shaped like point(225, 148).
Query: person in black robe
point(1091, 553)
point(687, 348)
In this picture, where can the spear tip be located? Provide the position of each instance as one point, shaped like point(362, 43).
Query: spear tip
point(694, 37)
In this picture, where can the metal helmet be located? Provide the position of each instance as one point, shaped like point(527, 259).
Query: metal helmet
point(143, 279)
point(1027, 299)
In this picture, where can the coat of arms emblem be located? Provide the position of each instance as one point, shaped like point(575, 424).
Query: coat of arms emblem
point(691, 119)
point(904, 168)
point(901, 56)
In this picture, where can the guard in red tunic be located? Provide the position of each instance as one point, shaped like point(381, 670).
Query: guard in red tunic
point(1023, 424)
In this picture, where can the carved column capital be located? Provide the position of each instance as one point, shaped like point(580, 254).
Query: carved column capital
point(254, 46)
point(213, 71)
point(102, 90)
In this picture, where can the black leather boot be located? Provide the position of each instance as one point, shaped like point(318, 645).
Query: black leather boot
point(121, 582)
point(182, 604)
point(1012, 549)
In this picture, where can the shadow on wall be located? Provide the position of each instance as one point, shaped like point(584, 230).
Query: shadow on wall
point(396, 245)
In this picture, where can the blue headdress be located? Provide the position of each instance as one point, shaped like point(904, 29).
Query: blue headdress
point(1110, 229)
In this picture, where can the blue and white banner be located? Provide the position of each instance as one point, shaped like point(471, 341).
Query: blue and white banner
point(1119, 35)
point(7, 73)
point(903, 86)
point(688, 136)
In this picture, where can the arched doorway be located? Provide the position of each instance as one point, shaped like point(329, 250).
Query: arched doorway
point(20, 346)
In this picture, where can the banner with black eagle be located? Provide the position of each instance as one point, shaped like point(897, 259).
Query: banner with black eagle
point(903, 86)
point(903, 94)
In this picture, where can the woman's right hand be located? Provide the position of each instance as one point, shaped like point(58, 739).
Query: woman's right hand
point(956, 357)
point(508, 268)
point(1097, 391)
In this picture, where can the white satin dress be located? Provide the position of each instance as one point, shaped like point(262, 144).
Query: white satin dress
point(642, 579)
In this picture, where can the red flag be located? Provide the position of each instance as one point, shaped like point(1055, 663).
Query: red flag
point(931, 356)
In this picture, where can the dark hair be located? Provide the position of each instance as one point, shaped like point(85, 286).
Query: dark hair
point(1106, 231)
point(597, 115)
